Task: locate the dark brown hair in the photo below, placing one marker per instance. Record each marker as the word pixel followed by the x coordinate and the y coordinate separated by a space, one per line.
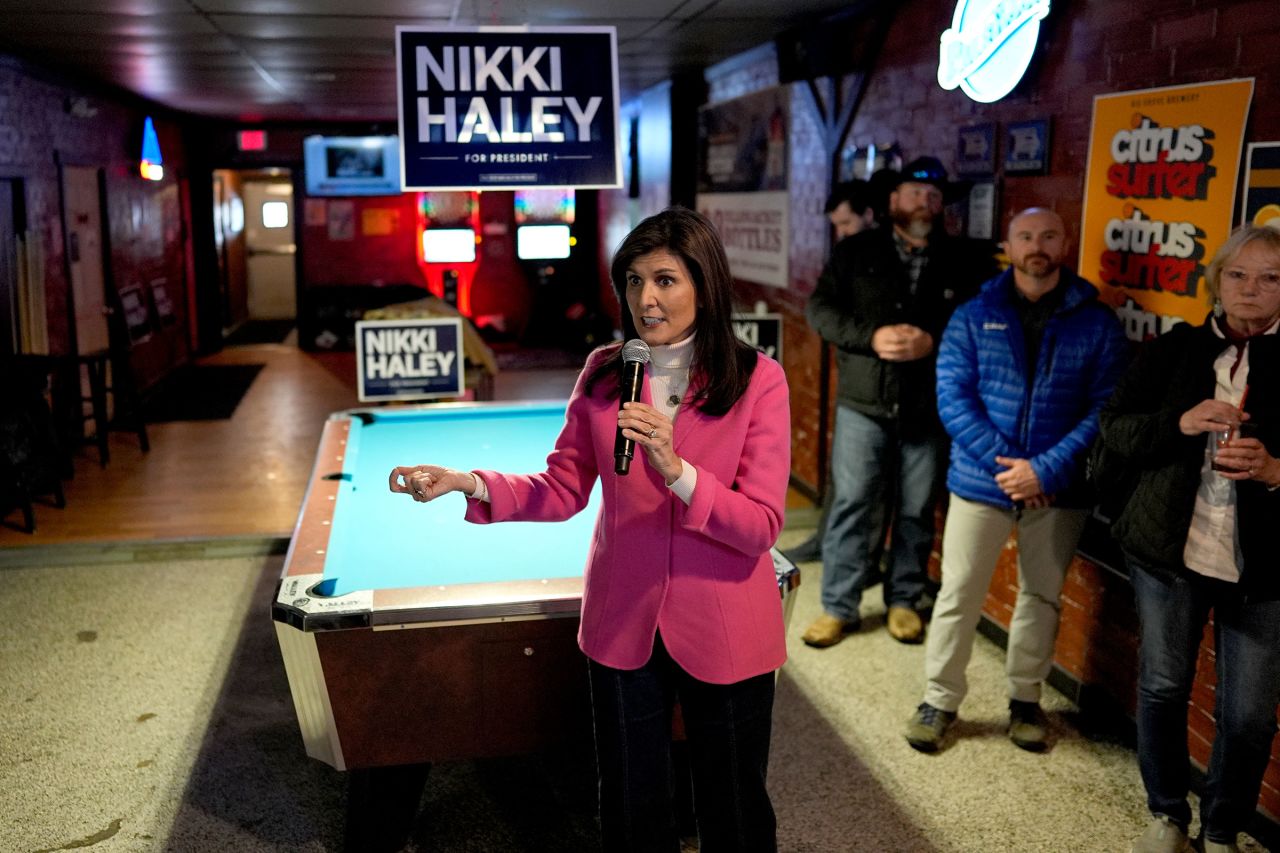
pixel 721 363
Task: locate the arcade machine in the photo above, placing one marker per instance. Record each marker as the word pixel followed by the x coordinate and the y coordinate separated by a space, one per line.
pixel 560 270
pixel 448 231
pixel 467 256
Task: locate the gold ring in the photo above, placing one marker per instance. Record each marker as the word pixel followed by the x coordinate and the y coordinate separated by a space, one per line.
pixel 653 431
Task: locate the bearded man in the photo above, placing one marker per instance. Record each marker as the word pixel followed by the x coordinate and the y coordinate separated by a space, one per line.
pixel 1023 371
pixel 883 301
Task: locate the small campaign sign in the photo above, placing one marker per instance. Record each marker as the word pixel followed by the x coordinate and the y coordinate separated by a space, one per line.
pixel 508 107
pixel 409 359
pixel 762 331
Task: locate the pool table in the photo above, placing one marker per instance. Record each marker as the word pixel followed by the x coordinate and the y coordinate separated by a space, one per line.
pixel 411 636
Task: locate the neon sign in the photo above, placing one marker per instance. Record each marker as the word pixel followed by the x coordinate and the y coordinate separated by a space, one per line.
pixel 152 164
pixel 989 46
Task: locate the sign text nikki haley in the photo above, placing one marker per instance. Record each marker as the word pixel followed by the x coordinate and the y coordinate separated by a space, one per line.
pixel 508 107
pixel 412 359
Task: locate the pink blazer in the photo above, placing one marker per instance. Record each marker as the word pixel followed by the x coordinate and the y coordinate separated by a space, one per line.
pixel 700 573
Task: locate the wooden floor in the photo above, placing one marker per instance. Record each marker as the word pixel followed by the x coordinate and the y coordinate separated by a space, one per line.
pixel 241 477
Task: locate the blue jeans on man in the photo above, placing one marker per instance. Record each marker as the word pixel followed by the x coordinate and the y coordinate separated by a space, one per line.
pixel 1173 610
pixel 872 460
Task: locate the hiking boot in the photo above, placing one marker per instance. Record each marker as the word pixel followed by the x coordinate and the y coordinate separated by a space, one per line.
pixel 927 726
pixel 1028 727
pixel 827 630
pixel 1211 846
pixel 1162 836
pixel 905 625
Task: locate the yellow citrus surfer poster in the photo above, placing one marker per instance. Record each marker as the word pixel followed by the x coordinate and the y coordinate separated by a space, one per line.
pixel 1160 195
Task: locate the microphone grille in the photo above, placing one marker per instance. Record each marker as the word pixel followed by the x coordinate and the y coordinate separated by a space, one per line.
pixel 635 350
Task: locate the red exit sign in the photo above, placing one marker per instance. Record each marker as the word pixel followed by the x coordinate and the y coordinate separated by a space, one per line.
pixel 252 140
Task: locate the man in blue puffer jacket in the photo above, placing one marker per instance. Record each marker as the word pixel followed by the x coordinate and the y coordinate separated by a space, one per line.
pixel 1023 370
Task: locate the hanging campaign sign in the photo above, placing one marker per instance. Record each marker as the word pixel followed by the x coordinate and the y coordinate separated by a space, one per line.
pixel 409 359
pixel 1160 190
pixel 508 107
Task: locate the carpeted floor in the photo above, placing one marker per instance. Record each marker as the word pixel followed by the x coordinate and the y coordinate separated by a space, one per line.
pixel 259 332
pixel 144 707
pixel 199 392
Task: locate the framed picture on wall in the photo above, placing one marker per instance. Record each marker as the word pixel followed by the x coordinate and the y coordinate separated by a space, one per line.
pixel 137 314
pixel 1026 147
pixel 976 150
pixel 981 216
pixel 163 304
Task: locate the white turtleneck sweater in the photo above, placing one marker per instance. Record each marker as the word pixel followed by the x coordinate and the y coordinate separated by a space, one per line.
pixel 668 372
pixel 669 377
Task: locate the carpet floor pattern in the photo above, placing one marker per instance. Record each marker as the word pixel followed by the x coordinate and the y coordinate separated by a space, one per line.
pixel 143 706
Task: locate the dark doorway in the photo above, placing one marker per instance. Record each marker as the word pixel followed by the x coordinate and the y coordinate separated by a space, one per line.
pixel 11 227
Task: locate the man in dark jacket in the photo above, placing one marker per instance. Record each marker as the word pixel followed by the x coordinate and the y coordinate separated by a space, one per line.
pixel 1023 370
pixel 850 210
pixel 883 301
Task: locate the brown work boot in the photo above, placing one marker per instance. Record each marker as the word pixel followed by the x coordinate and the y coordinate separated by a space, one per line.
pixel 905 625
pixel 827 630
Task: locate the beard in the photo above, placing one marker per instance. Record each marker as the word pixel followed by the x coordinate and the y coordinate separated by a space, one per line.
pixel 918 223
pixel 1037 265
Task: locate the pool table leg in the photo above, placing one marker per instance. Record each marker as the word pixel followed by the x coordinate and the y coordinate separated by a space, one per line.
pixel 382 807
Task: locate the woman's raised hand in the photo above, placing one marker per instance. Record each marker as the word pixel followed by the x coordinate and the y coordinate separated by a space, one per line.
pixel 653 431
pixel 425 483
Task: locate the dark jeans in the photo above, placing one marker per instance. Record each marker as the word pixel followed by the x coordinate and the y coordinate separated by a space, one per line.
pixel 1173 611
pixel 728 728
pixel 870 459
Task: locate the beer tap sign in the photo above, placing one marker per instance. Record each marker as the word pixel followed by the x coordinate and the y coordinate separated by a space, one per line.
pixel 1160 197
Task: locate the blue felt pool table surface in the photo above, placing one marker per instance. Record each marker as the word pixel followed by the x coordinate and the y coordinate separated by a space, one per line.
pixel 381 542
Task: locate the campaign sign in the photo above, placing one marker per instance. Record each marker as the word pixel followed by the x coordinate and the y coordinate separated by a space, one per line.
pixel 762 331
pixel 496 108
pixel 409 359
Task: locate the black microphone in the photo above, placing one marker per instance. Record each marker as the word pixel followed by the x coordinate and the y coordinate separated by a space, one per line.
pixel 635 355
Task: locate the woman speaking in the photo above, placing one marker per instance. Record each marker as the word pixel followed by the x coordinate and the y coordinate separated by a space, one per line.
pixel 680 598
pixel 1196 422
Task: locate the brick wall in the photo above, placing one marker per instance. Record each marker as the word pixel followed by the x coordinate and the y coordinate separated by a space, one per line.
pixel 37 130
pixel 1087 48
pixel 364 259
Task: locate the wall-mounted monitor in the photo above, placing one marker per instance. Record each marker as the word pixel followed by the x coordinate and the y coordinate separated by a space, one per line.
pixel 352 165
pixel 448 245
pixel 540 242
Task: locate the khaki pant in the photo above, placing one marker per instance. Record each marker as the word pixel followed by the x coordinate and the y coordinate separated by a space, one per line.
pixel 974 535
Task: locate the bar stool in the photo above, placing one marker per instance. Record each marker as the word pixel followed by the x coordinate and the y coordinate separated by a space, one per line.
pixel 121 387
pixel 29 450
